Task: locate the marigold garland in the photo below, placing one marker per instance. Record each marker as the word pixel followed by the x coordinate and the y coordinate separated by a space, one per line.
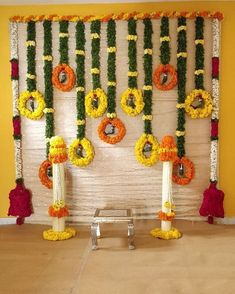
pixel 115 123
pixel 43 174
pixel 99 95
pixel 139 149
pixel 30 96
pixel 165 69
pixel 166 235
pixel 169 216
pixel 57 151
pixel 183 171
pixel 63 68
pixel 59 236
pixel 63 77
pixel 58 209
pixel 167 150
pixel 77 158
pixel 131 99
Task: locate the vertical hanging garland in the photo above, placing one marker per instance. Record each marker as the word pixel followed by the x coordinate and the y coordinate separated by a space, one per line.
pixel 63 77
pixel 146 147
pixel 31 95
pixel 96 99
pixel 111 129
pixel 183 168
pixel 212 205
pixel 198 103
pixel 132 100
pixel 81 152
pixel 20 197
pixel 45 169
pixel 161 77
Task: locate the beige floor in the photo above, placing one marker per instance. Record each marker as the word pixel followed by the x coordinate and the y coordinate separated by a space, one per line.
pixel 202 261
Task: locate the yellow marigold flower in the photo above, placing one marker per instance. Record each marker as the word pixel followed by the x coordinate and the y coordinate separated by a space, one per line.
pixel 182 54
pixel 139 103
pixel 47 57
pixel 147 88
pixel 147 117
pixel 111 115
pixel 55 236
pixel 132 73
pixel 95 71
pixel 63 35
pixel 111 83
pixel 80 89
pixel 95 36
pixel 148 51
pixel 181 28
pixel 48 110
pixel 31 77
pixel 81 122
pixel 102 103
pixel 111 49
pixel 199 41
pixel 30 43
pixel 179 133
pixel 180 105
pixel 165 39
pixel 199 71
pixel 132 38
pixel 80 52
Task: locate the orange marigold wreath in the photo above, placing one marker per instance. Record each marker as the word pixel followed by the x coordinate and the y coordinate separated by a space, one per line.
pixel 65 87
pixel 116 123
pixel 165 69
pixel 166 216
pixel 43 174
pixel 188 173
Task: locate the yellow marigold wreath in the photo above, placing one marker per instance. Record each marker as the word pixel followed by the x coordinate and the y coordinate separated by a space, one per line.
pixel 139 103
pixel 201 112
pixel 58 236
pixel 79 160
pixel 139 146
pixel 102 103
pixel 22 104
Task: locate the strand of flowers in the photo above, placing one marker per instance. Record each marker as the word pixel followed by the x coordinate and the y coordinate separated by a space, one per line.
pixel 45 169
pixel 15 93
pixel 63 77
pixel 31 94
pixel 96 99
pixel 146 147
pixel 198 103
pixel 81 144
pixel 121 16
pixel 183 168
pixel 165 76
pixel 116 130
pixel 132 99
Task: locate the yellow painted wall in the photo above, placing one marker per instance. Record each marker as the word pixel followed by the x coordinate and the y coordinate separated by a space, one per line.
pixel 227 121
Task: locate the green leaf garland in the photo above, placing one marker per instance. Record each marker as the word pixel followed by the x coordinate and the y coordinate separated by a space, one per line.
pixel 63 43
pixel 165 55
pixel 132 80
pixel 95 52
pixel 31 53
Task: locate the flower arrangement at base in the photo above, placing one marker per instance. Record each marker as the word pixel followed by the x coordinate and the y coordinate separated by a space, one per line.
pixel 96 103
pixel 31 96
pixel 183 171
pixel 167 150
pixel 147 144
pixel 166 216
pixel 166 235
pixel 63 77
pixel 111 137
pixel 132 102
pixel 161 73
pixel 76 152
pixel 58 209
pixel 203 108
pixel 44 174
pixel 59 236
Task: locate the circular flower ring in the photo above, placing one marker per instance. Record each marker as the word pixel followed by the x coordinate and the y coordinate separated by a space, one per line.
pixel 22 104
pixel 58 209
pixel 99 97
pixel 165 69
pixel 139 149
pixel 198 112
pixel 58 236
pixel 60 68
pixel 136 98
pixel 79 160
pixel 166 216
pixel 187 171
pixel 115 123
pixel 43 174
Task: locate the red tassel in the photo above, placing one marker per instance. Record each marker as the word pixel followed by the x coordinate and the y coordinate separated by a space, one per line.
pixel 215 67
pixel 212 204
pixel 20 203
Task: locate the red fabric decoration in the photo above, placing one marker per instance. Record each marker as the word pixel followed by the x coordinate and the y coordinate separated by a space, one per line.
pixel 215 67
pixel 20 203
pixel 214 128
pixel 14 69
pixel 16 126
pixel 212 205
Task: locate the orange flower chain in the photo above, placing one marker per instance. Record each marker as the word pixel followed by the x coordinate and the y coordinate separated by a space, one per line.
pixel 122 16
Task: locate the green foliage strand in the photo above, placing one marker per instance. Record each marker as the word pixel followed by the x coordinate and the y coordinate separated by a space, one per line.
pixel 199 35
pixel 165 54
pixel 63 47
pixel 31 53
pixel 132 81
pixel 95 53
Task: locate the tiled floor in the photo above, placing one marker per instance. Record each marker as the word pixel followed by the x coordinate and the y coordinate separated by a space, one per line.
pixel 202 261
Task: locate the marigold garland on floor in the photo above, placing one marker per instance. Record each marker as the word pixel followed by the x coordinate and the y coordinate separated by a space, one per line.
pixel 111 129
pixel 96 99
pixel 63 77
pixel 146 147
pixel 28 98
pixel 165 76
pixel 198 104
pixel 59 236
pixel 183 168
pixel 132 100
pixel 81 151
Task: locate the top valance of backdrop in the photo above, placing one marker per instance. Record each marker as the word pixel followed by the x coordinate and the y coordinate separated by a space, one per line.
pixel 121 16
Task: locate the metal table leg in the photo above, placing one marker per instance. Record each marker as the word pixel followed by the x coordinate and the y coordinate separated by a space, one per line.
pixel 94 227
pixel 131 233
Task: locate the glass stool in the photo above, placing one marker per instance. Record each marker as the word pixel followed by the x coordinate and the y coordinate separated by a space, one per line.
pixel 110 215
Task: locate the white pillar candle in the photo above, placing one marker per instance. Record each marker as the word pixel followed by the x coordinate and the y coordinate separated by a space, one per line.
pixel 166 192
